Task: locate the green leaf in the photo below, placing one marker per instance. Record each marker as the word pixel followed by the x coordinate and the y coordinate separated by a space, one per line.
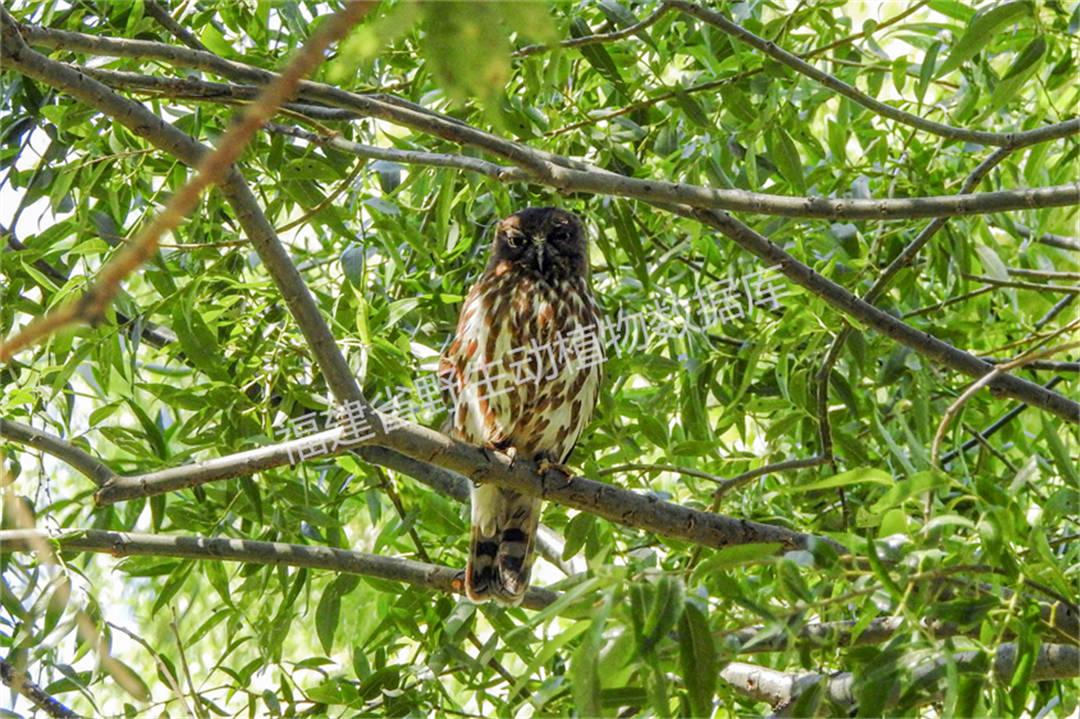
pixel 783 152
pixel 584 679
pixel 983 28
pixel 697 655
pixel 328 610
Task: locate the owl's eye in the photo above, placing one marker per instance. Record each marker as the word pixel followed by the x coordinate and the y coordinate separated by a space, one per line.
pixel 559 234
pixel 515 239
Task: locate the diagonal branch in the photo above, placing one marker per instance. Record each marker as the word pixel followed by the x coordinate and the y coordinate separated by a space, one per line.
pixel 999 139
pixel 211 168
pixel 884 323
pixel 146 124
pixel 20 682
pixel 98 472
pixel 902 260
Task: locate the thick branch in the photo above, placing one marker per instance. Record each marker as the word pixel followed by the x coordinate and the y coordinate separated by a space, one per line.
pixel 126 544
pixel 573 175
pixel 621 506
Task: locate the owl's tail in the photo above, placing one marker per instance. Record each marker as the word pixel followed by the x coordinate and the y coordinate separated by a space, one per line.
pixel 501 548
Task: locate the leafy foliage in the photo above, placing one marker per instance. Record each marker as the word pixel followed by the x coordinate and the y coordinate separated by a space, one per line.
pixel 388 249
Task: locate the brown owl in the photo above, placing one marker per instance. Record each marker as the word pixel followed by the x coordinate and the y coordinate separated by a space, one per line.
pixel 522 372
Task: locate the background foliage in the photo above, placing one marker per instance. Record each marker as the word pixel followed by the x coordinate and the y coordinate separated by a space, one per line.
pixel 389 250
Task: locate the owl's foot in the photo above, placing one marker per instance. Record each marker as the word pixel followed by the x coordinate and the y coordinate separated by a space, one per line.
pixel 544 466
pixel 510 451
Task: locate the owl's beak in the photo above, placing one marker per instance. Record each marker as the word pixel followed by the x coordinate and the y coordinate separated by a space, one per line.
pixel 541 250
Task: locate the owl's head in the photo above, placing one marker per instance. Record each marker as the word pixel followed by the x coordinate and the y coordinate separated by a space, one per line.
pixel 546 241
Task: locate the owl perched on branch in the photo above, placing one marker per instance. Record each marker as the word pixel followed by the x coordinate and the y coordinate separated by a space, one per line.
pixel 522 372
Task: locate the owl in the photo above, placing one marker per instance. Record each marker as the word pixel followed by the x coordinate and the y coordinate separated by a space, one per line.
pixel 522 375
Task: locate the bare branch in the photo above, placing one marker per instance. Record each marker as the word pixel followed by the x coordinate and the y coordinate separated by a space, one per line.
pixel 1054 661
pixel 125 544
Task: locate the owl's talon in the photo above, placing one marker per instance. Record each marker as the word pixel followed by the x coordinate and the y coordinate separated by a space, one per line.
pixel 491 451
pixel 544 466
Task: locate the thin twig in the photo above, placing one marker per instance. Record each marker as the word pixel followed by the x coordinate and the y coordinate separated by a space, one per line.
pixel 954 408
pixel 1018 284
pixel 599 37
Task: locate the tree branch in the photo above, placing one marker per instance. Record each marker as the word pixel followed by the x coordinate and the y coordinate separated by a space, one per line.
pixel 902 260
pixel 211 168
pixel 569 175
pixel 145 124
pixel 1059 241
pixel 884 323
pixel 20 682
pixel 621 506
pixel 1054 661
pixel 599 37
pixel 999 139
pixel 127 544
pixel 91 466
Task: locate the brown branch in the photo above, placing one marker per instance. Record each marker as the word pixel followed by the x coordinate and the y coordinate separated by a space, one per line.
pixel 126 544
pixel 954 408
pixel 143 123
pixel 153 334
pixel 211 169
